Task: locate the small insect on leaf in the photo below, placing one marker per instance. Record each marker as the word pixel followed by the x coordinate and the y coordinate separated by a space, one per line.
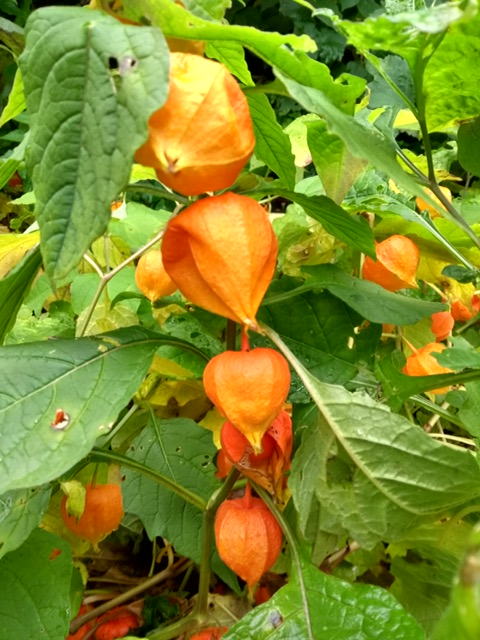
pixel 62 420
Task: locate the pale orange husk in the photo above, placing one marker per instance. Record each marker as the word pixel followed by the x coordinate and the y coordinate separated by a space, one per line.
pixel 422 205
pixel 202 137
pixel 396 265
pixel 442 325
pixel 460 311
pixel 151 277
pixel 221 252
pixel 423 363
pixel 249 389
pixel 248 537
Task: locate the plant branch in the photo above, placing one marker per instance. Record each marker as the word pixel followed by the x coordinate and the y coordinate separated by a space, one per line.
pixel 214 503
pixel 157 191
pixel 101 455
pixel 169 572
pixel 265 496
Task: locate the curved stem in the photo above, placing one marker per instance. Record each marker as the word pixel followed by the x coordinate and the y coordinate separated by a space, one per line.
pixel 169 572
pixel 102 455
pixel 157 191
pixel 265 496
pixel 214 503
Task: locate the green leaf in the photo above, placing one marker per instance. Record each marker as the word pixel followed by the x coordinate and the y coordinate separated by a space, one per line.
pixel 448 98
pixel 272 47
pixel 20 513
pixel 372 302
pixel 232 56
pixel 405 465
pixel 352 230
pixel 337 168
pixel 272 145
pixel 36 603
pixel 16 100
pixel 39 378
pixel 459 359
pixel 337 610
pixel 184 452
pixel 363 140
pixel 14 287
pixel 208 9
pixel 468 141
pixel 91 84
pixel 470 409
pixel 8 168
pixel 12 35
pixel 318 328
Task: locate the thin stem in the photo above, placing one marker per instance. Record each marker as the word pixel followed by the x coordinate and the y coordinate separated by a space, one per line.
pixel 105 279
pixel 214 503
pixel 120 424
pixel 102 455
pixel 169 572
pixel 157 191
pixel 265 496
pixel 93 264
pixel 175 630
pixel 435 408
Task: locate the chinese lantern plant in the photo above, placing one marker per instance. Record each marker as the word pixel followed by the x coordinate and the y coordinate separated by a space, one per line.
pixel 396 264
pixel 151 277
pixel 202 137
pixel 102 513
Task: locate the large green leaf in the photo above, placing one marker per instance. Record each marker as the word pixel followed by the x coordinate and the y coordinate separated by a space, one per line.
pixel 362 139
pixel 406 467
pixel 90 379
pixel 208 9
pixel 272 47
pixel 337 610
pixel 468 141
pixel 320 330
pixel 372 302
pixel 91 84
pixel 35 581
pixel 20 513
pixel 14 287
pixel 272 145
pixel 232 55
pixel 184 452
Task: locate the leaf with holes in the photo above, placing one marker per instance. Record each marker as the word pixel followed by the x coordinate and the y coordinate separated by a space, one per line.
pixel 91 84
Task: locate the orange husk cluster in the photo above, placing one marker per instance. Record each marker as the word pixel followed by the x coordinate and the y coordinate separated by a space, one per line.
pixel 202 137
pixel 248 537
pixel 221 252
pixel 422 363
pixel 267 469
pixel 442 325
pixel 396 265
pixel 151 277
pixel 249 388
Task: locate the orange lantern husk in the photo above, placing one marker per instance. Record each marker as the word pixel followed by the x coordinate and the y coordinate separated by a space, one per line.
pixel 202 137
pixel 396 265
pixel 248 537
pixel 422 363
pixel 221 252
pixel 249 389
pixel 442 325
pixel 460 311
pixel 268 468
pixel 151 277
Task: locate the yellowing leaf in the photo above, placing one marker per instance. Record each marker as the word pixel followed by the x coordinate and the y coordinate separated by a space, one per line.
pixel 169 369
pixel 180 398
pixel 13 247
pixel 213 421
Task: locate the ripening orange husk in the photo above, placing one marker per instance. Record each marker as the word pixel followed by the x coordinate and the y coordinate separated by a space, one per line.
pixel 221 252
pixel 249 389
pixel 424 206
pixel 396 265
pixel 442 325
pixel 151 277
pixel 460 311
pixel 423 363
pixel 202 137
pixel 248 537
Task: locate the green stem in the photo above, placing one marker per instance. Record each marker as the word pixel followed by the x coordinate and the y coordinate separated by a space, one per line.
pixel 175 630
pixel 157 191
pixel 214 503
pixel 101 455
pixel 265 496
